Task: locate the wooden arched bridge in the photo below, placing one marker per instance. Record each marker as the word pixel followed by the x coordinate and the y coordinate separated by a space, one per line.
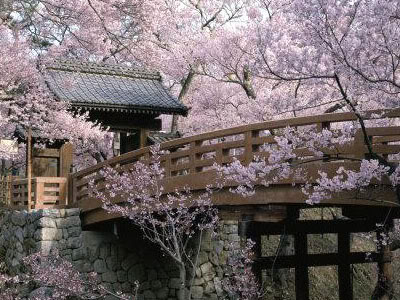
pixel 190 162
pixel 273 209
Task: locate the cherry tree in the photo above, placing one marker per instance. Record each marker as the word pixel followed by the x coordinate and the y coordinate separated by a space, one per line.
pixel 169 220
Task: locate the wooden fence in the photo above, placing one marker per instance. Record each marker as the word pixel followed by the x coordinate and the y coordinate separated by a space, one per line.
pixel 47 192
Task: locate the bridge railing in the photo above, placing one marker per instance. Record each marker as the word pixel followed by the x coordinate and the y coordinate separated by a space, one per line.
pixel 196 154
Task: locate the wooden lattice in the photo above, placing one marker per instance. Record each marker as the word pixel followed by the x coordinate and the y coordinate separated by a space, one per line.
pixel 5 189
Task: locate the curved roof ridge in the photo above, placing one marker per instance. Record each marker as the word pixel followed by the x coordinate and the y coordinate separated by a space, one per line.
pixel 103 69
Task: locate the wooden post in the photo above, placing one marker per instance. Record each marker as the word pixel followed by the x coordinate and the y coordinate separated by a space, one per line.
pixel 66 159
pixel 144 133
pixel 344 268
pixel 29 167
pixel 301 270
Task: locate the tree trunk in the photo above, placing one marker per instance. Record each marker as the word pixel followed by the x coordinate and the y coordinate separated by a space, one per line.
pixel 384 287
pixel 185 88
pixel 183 293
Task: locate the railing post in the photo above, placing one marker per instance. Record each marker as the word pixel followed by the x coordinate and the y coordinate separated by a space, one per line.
pixel 70 191
pixel 38 192
pixel 63 191
pixel 248 147
pixel 192 158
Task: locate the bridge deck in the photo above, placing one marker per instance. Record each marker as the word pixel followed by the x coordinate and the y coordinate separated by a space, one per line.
pixel 190 162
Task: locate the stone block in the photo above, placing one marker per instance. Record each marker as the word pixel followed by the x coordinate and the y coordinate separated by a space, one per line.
pixel 214 259
pixel 209 288
pixel 114 250
pixel 152 274
pixel 112 263
pixel 46 222
pixel 74 231
pixel 104 251
pixel 19 234
pixel 79 265
pixel 74 242
pixel 66 252
pixel 129 261
pixel 218 246
pixel 122 276
pixel 73 221
pixel 62 244
pixel 197 292
pixel 18 247
pixel 126 287
pixel 65 233
pixel 149 295
pixel 87 267
pixel 100 266
pixel 52 213
pixel 93 253
pixel 109 276
pixel 203 258
pixel 162 293
pixel 45 247
pixel 156 284
pixel 18 218
pixel 206 268
pixel 72 212
pixel 62 212
pixel 144 286
pixel 198 281
pixel 79 253
pixel 48 234
pixel 136 273
pixel 218 286
pixel 162 274
pixel 122 253
pixel 117 287
pixel 206 246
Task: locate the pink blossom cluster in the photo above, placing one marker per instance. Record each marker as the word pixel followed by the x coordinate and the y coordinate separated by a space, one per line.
pixel 240 281
pixel 55 278
pixel 345 180
pixel 280 160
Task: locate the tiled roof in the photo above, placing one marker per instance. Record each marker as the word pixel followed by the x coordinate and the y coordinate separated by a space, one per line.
pixel 111 88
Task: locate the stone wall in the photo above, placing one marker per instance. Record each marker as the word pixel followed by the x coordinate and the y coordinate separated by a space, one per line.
pixel 119 262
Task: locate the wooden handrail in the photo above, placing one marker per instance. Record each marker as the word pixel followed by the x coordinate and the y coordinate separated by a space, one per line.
pixel 194 154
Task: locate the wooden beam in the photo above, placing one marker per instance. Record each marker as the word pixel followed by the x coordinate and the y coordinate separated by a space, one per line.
pixel 312 226
pixel 55 153
pixel 315 260
pixel 344 267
